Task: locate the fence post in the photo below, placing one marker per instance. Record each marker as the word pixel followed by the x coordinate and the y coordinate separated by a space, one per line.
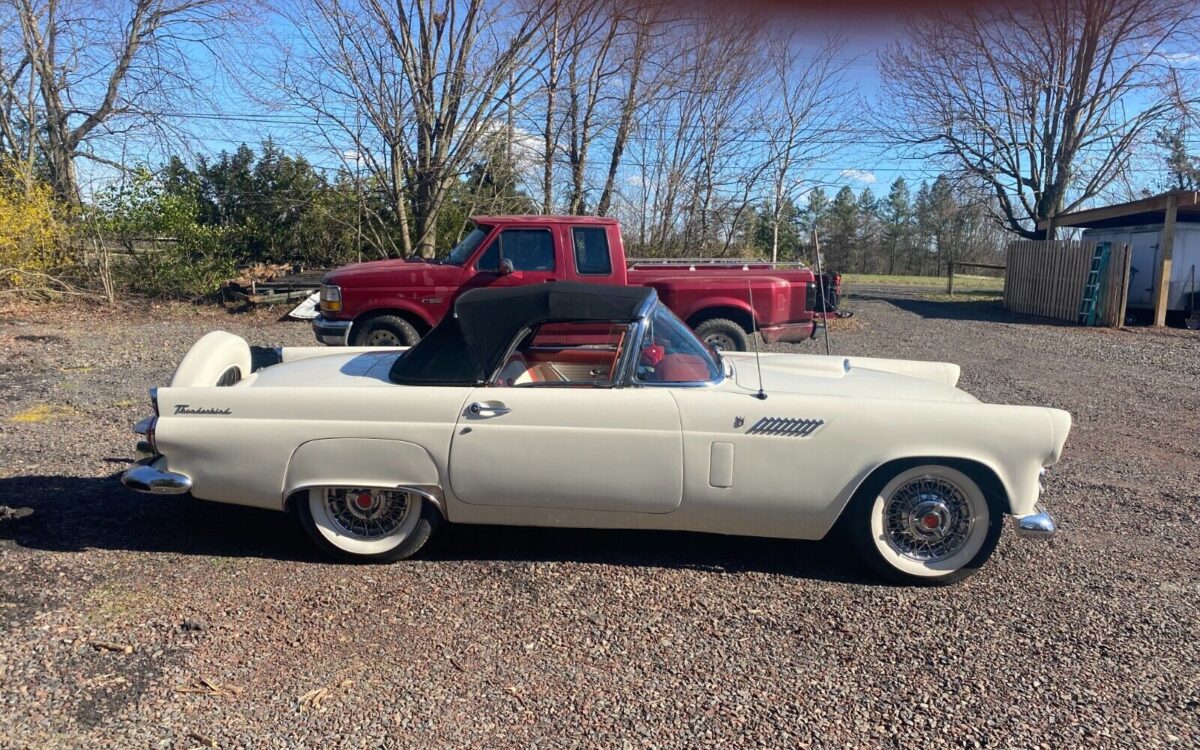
pixel 950 279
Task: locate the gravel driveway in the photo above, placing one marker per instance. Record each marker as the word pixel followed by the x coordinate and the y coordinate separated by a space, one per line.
pixel 130 621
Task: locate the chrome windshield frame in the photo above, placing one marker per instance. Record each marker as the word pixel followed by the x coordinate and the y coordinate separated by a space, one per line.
pixel 639 330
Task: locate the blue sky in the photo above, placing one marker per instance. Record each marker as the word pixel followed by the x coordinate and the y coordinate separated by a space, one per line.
pixel 864 163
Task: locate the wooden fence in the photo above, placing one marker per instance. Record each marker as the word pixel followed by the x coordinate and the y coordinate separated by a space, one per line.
pixel 1047 278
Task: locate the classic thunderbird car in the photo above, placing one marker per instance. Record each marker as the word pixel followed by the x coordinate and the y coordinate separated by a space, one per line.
pixel 585 406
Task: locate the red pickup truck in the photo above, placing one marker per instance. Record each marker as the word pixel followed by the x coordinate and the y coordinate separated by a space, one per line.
pixel 395 302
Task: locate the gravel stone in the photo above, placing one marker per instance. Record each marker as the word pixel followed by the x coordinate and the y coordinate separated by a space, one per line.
pixel 242 636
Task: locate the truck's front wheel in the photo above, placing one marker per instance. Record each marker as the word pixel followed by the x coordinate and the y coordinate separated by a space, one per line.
pixel 385 330
pixel 723 334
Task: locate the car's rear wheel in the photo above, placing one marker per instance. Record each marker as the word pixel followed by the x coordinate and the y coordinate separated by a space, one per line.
pixel 368 525
pixel 926 525
pixel 386 330
pixel 723 334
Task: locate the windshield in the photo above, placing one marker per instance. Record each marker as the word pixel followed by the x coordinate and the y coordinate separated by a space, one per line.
pixel 671 353
pixel 463 250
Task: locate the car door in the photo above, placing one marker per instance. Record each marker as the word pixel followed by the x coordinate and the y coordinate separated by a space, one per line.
pixel 596 449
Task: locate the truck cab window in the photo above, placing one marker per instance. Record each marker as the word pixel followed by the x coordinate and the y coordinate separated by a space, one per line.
pixel 528 249
pixel 591 251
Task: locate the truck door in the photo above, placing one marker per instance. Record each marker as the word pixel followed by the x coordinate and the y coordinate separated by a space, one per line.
pixel 530 249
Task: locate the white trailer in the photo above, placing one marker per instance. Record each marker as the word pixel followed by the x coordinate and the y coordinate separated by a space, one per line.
pixel 1145 264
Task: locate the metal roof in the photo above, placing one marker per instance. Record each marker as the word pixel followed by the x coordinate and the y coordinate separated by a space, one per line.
pixel 1152 210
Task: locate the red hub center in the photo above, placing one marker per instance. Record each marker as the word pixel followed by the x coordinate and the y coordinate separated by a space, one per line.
pixel 364 500
pixel 931 520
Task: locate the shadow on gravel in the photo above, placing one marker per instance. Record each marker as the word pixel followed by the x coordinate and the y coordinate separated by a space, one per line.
pixel 72 514
pixel 990 311
pixel 826 560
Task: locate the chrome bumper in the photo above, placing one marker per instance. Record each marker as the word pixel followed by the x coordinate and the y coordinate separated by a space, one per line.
pixel 152 480
pixel 1038 525
pixel 332 332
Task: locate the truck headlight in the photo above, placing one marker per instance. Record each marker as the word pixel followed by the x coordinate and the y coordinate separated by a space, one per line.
pixel 331 298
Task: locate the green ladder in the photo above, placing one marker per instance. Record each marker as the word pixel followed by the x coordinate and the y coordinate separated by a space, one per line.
pixel 1090 309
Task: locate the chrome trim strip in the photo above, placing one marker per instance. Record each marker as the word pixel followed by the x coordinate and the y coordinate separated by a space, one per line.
pixel 146 478
pixel 1039 525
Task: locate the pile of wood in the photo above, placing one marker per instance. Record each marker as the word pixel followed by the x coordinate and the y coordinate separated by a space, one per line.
pixel 265 284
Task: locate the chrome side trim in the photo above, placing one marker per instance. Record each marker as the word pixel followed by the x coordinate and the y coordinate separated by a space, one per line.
pixel 146 478
pixel 1038 525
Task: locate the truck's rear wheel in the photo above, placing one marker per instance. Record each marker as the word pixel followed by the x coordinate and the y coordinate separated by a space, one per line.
pixel 723 334
pixel 385 330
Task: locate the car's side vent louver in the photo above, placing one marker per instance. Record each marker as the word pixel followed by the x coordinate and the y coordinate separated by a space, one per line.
pixel 785 427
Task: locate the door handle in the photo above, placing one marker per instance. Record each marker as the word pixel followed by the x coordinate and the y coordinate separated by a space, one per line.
pixel 489 409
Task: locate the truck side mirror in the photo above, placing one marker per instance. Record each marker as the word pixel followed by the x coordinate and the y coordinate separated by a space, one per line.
pixel 506 267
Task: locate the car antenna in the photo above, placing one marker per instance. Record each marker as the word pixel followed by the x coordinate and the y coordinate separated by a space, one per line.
pixel 761 395
pixel 821 286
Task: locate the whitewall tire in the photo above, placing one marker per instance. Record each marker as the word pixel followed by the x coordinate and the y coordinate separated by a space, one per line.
pixel 927 525
pixel 366 524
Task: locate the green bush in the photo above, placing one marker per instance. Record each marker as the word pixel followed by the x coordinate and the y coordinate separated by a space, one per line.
pixel 162 249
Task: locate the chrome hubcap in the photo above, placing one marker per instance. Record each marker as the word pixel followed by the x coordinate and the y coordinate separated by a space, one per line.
pixel 720 341
pixel 928 519
pixel 367 514
pixel 382 338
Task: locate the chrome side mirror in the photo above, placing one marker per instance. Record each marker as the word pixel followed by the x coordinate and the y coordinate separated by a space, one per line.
pixel 506 267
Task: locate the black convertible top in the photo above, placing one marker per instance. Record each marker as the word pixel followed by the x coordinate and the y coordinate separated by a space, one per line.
pixel 466 347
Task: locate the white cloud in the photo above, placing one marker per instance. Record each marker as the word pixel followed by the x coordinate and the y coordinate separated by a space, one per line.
pixel 1180 58
pixel 861 176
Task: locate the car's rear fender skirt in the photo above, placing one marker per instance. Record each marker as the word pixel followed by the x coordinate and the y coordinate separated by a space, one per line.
pixel 982 471
pixel 363 463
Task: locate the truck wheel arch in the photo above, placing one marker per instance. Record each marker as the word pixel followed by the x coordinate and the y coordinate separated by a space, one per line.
pixel 415 317
pixel 739 315
pixel 362 462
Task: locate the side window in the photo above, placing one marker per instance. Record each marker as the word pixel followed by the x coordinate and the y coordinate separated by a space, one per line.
pixel 591 251
pixel 490 260
pixel 565 354
pixel 528 249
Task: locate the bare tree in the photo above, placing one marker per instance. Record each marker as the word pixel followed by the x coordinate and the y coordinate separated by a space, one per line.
pixel 72 73
pixel 434 78
pixel 1042 104
pixel 808 111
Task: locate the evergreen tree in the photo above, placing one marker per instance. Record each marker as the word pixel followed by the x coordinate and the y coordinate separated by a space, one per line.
pixel 896 215
pixel 843 230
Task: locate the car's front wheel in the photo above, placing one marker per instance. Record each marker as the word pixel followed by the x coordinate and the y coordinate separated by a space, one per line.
pixel 926 525
pixel 367 525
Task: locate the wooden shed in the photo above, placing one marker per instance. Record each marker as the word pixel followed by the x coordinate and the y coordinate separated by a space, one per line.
pixel 1163 232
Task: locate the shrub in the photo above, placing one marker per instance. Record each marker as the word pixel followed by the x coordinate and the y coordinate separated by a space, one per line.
pixel 33 233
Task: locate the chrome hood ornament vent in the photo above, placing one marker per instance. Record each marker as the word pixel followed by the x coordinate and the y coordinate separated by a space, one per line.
pixel 785 427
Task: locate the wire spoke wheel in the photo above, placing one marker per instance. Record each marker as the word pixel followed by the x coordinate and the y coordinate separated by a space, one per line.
pixel 367 514
pixel 927 524
pixel 366 524
pixel 928 519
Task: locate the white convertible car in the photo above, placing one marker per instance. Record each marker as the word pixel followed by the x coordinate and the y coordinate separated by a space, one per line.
pixel 575 405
